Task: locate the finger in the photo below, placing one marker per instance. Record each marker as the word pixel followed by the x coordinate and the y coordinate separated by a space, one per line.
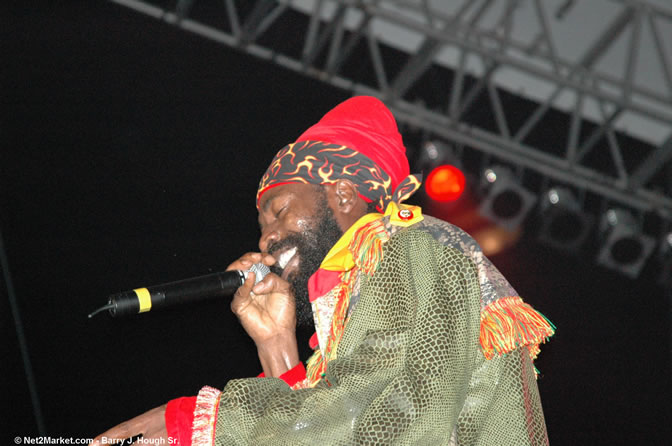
pixel 268 259
pixel 272 283
pixel 119 432
pixel 147 423
pixel 246 261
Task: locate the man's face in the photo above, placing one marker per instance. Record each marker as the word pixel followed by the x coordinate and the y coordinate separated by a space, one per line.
pixel 298 229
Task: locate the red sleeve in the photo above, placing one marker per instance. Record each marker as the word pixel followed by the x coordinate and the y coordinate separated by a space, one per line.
pixel 179 420
pixel 291 376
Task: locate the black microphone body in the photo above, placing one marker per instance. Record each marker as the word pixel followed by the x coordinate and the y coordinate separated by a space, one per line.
pixel 185 291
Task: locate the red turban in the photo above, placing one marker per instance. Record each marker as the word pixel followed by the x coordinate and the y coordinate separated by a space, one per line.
pixel 358 140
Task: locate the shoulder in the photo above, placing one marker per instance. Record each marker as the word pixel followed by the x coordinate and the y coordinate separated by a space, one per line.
pixel 438 233
pixel 433 242
pixel 448 234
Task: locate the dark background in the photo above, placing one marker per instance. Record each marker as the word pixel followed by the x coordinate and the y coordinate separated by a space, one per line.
pixel 130 156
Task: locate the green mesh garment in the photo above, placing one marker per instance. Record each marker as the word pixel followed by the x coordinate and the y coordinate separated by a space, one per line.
pixel 409 369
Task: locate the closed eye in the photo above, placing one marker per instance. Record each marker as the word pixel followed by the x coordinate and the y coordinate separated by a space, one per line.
pixel 276 216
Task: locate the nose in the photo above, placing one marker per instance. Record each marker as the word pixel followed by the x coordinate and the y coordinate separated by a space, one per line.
pixel 269 236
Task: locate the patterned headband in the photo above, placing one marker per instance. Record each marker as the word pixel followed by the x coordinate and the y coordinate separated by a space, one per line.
pixel 315 162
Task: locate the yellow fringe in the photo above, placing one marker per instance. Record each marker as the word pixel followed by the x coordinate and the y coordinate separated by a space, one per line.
pixel 367 246
pixel 509 323
pixel 315 368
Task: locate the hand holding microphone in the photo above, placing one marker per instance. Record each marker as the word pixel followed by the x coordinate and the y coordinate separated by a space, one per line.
pixel 267 312
pixel 264 307
pixel 263 302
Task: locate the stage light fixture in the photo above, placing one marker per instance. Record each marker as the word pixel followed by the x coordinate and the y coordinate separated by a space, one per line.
pixel 444 180
pixel 564 224
pixel 445 183
pixel 506 202
pixel 432 150
pixel 625 248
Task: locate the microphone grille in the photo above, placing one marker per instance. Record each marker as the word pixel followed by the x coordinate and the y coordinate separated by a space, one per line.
pixel 260 270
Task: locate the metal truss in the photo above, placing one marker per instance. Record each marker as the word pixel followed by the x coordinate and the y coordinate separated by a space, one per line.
pixel 470 49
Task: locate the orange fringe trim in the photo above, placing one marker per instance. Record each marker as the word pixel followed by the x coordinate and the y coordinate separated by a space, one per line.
pixel 509 323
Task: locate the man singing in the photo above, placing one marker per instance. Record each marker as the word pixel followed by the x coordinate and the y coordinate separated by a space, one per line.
pixel 419 340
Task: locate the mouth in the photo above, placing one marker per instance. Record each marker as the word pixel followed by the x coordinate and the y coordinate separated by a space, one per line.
pixel 287 262
pixel 284 258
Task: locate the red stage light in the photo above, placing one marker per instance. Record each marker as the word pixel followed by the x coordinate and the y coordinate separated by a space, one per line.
pixel 445 183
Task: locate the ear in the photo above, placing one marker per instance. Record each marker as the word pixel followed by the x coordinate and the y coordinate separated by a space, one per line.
pixel 346 194
pixel 345 202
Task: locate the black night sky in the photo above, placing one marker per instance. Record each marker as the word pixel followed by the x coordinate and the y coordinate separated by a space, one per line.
pixel 130 156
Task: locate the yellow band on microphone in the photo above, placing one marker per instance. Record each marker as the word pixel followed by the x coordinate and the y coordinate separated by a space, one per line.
pixel 144 298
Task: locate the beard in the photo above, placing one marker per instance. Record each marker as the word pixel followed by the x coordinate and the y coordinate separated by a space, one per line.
pixel 312 245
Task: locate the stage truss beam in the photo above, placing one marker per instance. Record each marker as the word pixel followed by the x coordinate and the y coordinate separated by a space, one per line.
pixel 335 28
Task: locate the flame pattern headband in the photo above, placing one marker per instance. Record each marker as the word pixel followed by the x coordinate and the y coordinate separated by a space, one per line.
pixel 316 162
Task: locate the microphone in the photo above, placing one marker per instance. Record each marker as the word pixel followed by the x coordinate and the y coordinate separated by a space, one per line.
pixel 141 300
